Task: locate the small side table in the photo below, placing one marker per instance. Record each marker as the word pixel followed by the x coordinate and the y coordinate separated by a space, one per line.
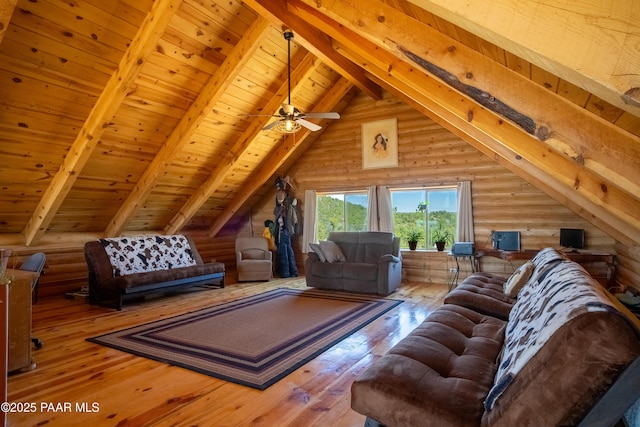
pixel 473 261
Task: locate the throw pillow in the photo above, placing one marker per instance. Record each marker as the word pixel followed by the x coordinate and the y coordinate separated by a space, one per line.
pixel 332 252
pixel 518 279
pixel 316 249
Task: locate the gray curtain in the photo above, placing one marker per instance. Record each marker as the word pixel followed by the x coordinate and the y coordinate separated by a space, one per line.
pixel 465 213
pixel 385 209
pixel 379 210
pixel 309 234
pixel 372 209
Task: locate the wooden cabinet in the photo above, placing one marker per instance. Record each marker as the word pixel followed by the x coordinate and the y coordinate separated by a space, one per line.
pixel 19 320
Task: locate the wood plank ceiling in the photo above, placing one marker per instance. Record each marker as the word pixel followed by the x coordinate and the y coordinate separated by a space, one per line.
pixel 128 116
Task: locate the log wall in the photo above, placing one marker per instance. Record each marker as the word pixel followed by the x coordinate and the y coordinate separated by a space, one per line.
pixel 629 267
pixel 431 155
pixel 428 155
pixel 66 270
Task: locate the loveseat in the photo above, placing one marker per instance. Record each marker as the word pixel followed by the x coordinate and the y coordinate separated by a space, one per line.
pixel 567 354
pixel 364 262
pixel 134 266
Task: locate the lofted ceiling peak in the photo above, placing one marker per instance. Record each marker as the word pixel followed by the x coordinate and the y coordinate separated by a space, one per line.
pixel 151 115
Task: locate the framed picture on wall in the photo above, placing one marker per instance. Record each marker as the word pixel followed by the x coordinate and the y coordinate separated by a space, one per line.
pixel 380 144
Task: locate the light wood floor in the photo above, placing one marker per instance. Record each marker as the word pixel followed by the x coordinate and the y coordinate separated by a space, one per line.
pixel 127 390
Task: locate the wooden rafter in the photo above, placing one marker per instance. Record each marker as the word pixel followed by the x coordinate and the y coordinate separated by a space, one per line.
pixel 315 42
pixel 301 73
pixel 613 30
pixel 105 107
pixel 208 97
pixel 367 39
pixel 277 158
pixel 6 10
pixel 598 145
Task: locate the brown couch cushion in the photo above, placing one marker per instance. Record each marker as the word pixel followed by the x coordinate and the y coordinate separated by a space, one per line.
pixel 438 375
pixel 484 293
pixel 157 277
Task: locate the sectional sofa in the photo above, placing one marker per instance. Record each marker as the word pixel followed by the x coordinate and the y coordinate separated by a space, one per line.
pixel 548 347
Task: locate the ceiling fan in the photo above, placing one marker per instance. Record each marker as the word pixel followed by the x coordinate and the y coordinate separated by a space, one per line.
pixel 291 119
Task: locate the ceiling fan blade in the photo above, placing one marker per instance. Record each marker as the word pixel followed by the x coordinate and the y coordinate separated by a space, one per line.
pixel 331 115
pixel 311 126
pixel 271 125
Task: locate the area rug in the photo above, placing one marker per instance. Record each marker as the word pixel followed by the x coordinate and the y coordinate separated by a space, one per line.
pixel 254 341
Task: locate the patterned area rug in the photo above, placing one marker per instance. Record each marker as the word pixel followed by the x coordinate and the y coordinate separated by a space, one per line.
pixel 254 341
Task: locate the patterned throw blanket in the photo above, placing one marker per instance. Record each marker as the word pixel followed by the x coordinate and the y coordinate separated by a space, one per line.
pixel 130 255
pixel 561 291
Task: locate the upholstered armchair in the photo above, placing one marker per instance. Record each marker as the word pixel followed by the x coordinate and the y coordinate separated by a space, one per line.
pixel 253 259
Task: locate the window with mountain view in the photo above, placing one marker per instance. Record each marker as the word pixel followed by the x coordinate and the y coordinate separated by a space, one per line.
pixel 426 212
pixel 341 212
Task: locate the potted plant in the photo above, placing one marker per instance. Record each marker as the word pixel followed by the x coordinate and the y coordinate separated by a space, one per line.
pixel 413 238
pixel 441 238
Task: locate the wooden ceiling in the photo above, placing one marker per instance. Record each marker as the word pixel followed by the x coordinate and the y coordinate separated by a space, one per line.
pixel 130 116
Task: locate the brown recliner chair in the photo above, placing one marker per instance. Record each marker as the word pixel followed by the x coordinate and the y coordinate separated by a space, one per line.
pixel 253 259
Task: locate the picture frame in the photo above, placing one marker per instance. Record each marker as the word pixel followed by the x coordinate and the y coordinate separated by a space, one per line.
pixel 380 144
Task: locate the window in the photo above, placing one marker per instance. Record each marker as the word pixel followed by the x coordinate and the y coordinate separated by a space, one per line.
pixel 427 211
pixel 341 212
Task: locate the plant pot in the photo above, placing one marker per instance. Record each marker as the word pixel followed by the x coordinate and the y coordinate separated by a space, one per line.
pixel 413 245
pixel 440 246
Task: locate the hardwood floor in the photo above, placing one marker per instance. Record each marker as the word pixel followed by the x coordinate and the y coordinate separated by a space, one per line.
pixel 78 383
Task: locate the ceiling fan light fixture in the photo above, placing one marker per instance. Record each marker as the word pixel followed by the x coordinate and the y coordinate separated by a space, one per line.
pixel 291 119
pixel 288 126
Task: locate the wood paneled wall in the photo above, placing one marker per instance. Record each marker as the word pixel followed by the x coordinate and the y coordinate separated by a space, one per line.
pixel 628 266
pixel 428 154
pixel 431 155
pixel 66 270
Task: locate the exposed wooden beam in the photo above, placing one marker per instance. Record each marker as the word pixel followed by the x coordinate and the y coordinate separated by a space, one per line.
pixel 315 42
pixel 104 109
pixel 198 111
pixel 6 10
pixel 552 36
pixel 603 148
pixel 593 197
pixel 267 168
pixel 301 73
pixel 510 158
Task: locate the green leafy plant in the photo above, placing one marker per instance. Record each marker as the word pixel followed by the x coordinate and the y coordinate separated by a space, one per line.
pixel 440 235
pixel 414 236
